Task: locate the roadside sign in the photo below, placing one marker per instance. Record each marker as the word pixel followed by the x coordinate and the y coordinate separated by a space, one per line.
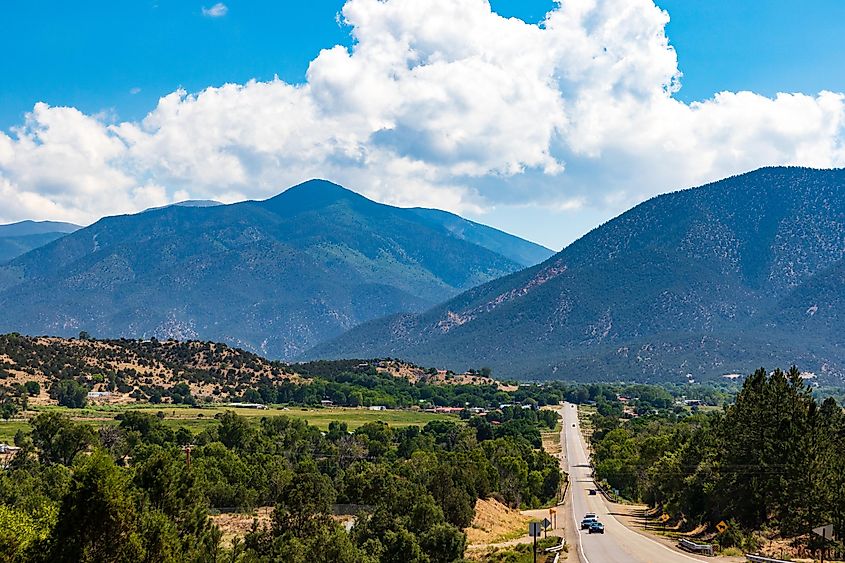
pixel 534 529
pixel 721 526
pixel 664 517
pixel 546 523
pixel 825 531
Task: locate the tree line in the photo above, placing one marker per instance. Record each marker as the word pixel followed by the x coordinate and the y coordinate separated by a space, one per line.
pixel 772 460
pixel 133 491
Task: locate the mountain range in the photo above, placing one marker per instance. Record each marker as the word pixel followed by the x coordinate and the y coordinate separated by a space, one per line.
pixel 19 238
pixel 720 279
pixel 276 277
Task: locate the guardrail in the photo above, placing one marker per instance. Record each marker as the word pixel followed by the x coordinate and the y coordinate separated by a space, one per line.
pixel 691 546
pixel 760 559
pixel 557 548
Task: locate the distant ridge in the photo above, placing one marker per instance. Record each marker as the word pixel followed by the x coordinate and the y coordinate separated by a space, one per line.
pixel 25 228
pixel 725 278
pixel 189 203
pixel 19 238
pixel 274 277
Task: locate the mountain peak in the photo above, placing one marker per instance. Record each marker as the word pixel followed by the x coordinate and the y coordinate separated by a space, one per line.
pixel 319 185
pixel 310 195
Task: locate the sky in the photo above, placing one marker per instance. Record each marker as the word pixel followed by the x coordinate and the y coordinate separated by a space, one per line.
pixel 541 119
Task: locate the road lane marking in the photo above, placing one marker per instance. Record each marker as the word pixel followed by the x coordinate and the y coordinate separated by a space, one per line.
pixel 603 502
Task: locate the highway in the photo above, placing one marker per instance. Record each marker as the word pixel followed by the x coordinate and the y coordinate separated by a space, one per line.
pixel 619 543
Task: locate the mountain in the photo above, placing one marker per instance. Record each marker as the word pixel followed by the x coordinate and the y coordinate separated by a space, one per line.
pixel 275 276
pixel 517 249
pixel 723 278
pixel 20 238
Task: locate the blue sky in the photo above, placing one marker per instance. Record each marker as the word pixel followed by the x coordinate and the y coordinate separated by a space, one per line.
pixel 113 61
pixel 92 55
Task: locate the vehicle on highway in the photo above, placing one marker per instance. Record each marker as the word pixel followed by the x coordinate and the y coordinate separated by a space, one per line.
pixel 591 515
pixel 587 522
pixel 596 528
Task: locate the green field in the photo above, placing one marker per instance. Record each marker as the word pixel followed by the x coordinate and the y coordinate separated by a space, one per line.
pixel 198 418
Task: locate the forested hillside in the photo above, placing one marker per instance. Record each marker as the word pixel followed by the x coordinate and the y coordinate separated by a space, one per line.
pixel 38 372
pixel 770 465
pixel 721 279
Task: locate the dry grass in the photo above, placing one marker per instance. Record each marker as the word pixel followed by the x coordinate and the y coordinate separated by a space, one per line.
pixel 551 442
pixel 237 525
pixel 495 523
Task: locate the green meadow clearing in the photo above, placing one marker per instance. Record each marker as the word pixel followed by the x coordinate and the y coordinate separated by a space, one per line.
pixel 197 419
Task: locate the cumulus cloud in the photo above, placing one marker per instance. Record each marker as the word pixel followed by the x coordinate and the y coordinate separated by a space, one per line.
pixel 217 11
pixel 440 103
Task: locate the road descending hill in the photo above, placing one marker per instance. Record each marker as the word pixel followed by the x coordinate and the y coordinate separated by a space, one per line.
pixel 734 275
pixel 274 277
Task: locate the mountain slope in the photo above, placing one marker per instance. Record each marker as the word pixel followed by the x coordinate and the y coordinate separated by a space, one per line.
pixel 189 203
pixel 20 238
pixel 275 276
pixel 691 282
pixel 517 249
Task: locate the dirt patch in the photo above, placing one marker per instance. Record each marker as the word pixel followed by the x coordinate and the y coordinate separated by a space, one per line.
pixel 551 442
pixel 494 522
pixel 237 524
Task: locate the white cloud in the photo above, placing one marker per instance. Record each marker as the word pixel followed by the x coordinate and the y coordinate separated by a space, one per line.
pixel 217 11
pixel 439 103
pixel 135 90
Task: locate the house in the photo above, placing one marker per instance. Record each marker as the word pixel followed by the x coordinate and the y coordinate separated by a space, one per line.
pixel 326 403
pixel 446 410
pixel 247 405
pixel 377 408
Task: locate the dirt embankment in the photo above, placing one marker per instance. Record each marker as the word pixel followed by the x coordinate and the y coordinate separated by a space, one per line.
pixel 494 523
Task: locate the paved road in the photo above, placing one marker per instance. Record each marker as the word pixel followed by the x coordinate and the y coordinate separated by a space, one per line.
pixel 619 543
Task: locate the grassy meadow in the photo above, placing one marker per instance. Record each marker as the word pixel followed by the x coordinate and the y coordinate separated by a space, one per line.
pixel 198 418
